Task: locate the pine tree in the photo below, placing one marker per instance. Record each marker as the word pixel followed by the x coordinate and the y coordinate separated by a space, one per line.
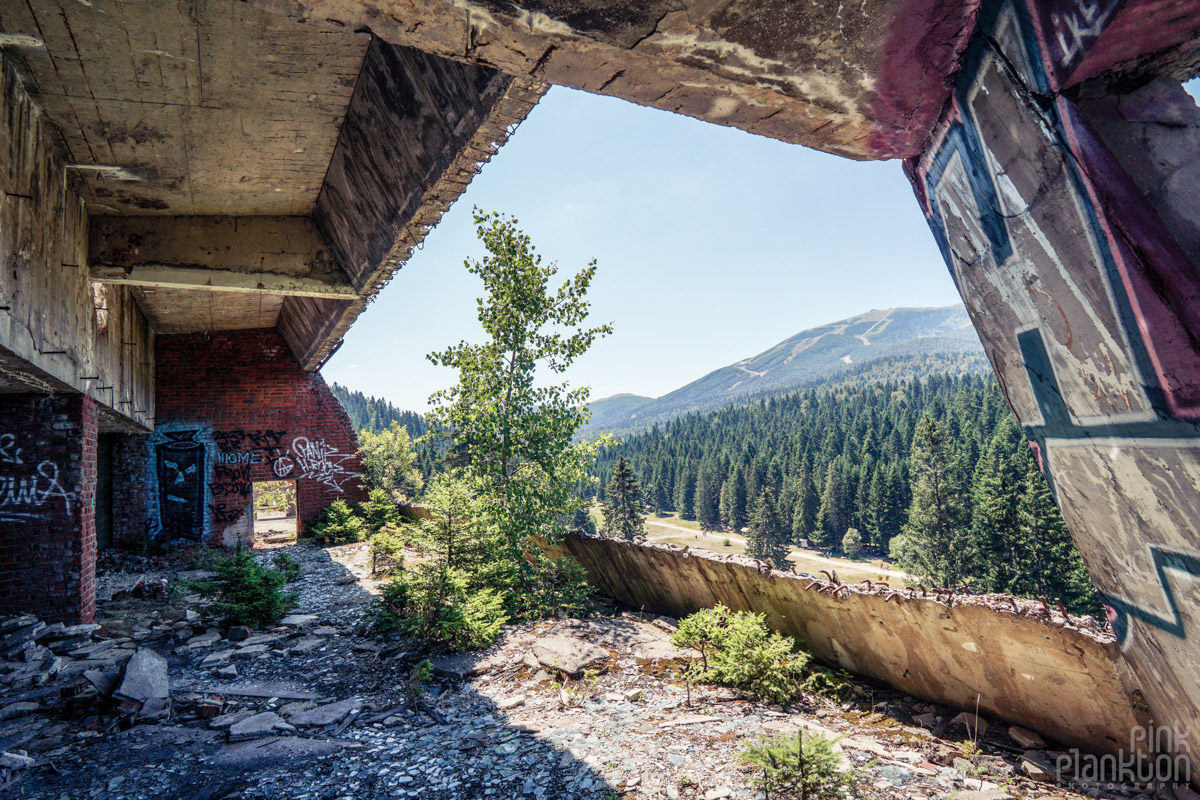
pixel 1051 566
pixel 623 504
pixel 733 501
pixel 708 497
pixel 685 493
pixel 834 516
pixel 996 494
pixel 941 549
pixel 768 539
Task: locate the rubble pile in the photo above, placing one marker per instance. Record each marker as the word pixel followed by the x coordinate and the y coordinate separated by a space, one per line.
pixel 162 699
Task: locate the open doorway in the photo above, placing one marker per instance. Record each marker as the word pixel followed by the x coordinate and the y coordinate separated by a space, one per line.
pixel 275 518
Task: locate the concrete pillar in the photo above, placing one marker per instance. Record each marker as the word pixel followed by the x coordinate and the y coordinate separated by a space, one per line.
pixel 1067 216
pixel 47 506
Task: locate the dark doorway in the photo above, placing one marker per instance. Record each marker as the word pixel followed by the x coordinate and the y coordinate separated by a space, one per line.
pixel 104 490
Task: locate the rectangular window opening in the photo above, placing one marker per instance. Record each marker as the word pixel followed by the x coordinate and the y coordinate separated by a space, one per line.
pixel 275 519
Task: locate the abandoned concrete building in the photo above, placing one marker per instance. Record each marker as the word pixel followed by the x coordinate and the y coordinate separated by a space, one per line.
pixel 199 197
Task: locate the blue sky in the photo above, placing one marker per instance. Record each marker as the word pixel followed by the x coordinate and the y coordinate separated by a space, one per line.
pixel 713 244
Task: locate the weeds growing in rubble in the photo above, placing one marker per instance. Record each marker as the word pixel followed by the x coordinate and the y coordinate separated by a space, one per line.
pixel 800 767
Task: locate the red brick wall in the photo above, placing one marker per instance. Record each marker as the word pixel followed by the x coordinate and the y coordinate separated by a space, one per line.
pixel 47 506
pixel 233 408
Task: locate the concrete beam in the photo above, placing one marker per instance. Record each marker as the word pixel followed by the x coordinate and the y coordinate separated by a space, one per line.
pixel 274 255
pixel 169 276
pixel 417 131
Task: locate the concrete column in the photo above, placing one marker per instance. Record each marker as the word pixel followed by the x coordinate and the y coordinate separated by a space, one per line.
pixel 1067 216
pixel 47 506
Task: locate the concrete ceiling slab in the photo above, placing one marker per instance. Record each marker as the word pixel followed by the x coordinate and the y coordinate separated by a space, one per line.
pixel 182 107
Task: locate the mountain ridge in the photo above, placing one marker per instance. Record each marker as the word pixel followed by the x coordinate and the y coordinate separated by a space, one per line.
pixel 798 360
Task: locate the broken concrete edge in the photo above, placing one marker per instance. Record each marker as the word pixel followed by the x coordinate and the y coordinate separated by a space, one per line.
pixel 513 104
pixel 1067 683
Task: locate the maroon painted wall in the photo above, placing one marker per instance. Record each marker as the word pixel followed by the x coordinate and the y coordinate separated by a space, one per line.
pixel 233 408
pixel 47 506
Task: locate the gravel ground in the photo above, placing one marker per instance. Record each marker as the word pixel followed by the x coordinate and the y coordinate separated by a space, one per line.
pixel 316 708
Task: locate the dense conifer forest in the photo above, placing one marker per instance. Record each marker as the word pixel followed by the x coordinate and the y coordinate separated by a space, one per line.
pixel 376 414
pixel 856 456
pixel 917 458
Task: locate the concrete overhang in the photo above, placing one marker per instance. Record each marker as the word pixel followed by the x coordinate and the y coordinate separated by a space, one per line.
pixel 241 170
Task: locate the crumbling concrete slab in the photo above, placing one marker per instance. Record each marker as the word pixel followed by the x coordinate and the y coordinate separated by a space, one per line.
pixel 329 714
pixel 145 678
pixel 567 654
pixel 257 726
pixel 273 750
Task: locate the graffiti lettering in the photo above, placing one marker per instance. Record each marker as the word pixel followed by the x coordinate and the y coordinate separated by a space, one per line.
pixel 22 497
pixel 245 457
pixel 9 452
pixel 318 461
pixel 238 439
pixel 1076 28
pixel 224 515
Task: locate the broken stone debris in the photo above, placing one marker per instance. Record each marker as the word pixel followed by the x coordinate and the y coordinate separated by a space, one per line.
pixel 334 719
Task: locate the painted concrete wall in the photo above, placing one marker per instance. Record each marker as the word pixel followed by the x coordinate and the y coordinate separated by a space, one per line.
pixel 1064 681
pixel 50 318
pixel 1079 271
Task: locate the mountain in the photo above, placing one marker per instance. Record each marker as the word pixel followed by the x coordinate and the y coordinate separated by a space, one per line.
pixel 800 360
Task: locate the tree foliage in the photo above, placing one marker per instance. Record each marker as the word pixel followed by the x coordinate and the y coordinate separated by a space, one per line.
pixel 770 538
pixel 623 504
pixel 841 457
pixel 389 462
pixel 515 433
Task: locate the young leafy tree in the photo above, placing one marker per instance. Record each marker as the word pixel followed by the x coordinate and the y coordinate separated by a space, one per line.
pixel 942 550
pixel 389 461
pixel 623 504
pixel 514 432
pixel 769 536
pixel 852 542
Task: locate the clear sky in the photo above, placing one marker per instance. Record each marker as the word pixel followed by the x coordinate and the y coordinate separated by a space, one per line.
pixel 713 244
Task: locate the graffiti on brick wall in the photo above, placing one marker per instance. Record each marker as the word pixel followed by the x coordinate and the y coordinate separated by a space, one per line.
pixel 315 459
pixel 30 489
pixel 181 472
pixel 204 478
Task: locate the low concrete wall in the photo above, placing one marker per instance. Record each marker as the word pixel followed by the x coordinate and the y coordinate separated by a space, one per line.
pixel 1060 679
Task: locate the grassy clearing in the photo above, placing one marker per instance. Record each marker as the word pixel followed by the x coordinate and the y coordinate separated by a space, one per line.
pixel 666 529
pixel 686 533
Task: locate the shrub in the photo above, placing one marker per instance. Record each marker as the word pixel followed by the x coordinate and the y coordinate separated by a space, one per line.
pixel 742 653
pixel 703 631
pixel 248 593
pixel 435 603
pixel 800 767
pixel 387 553
pixel 556 586
pixel 338 525
pixel 852 542
pixel 378 511
pixel 289 566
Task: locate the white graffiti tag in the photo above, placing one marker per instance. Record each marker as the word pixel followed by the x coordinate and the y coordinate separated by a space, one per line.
pixel 22 498
pixel 316 460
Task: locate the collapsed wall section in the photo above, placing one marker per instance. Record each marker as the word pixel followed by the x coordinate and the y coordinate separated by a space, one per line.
pixel 1062 680
pixel 234 408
